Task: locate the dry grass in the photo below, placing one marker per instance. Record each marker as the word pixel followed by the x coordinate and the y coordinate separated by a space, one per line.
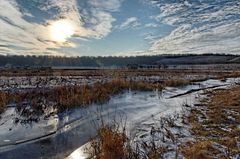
pixel 219 124
pixel 199 150
pixel 176 83
pixel 204 147
pixel 67 97
pixel 113 143
pixel 71 96
pixel 121 73
pixel 3 101
pixel 110 144
pixel 221 103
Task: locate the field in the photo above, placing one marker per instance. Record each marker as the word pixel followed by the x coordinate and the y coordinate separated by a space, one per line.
pixel 120 113
pixel 119 79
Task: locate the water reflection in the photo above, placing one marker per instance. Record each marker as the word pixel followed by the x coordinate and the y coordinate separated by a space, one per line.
pixel 80 153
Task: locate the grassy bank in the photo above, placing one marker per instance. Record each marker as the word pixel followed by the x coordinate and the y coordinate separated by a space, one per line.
pixel 215 123
pixel 214 126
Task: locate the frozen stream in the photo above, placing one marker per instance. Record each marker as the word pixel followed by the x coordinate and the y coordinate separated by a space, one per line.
pixel 59 135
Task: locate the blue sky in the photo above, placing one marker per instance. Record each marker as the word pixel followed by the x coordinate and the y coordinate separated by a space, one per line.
pixel 119 27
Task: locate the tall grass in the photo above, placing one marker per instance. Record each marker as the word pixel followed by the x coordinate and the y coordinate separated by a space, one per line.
pixel 66 97
pixel 112 142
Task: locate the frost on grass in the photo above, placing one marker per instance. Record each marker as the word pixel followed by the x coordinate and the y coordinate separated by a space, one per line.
pixel 209 129
pixel 215 125
pixel 158 140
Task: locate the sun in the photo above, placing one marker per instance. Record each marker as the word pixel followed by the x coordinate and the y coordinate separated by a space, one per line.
pixel 61 30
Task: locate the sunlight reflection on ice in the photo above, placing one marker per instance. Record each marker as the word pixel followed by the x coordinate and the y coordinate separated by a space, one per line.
pixel 80 153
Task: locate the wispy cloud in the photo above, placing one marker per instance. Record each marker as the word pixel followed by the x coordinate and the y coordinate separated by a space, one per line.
pixel 108 5
pixel 18 33
pixel 131 22
pixel 151 25
pixel 33 37
pixel 200 26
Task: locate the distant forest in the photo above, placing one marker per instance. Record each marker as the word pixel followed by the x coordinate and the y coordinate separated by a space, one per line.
pixel 85 61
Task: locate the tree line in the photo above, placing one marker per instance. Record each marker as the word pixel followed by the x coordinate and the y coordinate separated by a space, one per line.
pixel 83 61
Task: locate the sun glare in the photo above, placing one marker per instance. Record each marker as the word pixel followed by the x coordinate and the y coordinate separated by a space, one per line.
pixel 61 30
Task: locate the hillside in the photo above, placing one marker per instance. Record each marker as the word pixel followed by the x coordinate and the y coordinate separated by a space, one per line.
pixel 199 59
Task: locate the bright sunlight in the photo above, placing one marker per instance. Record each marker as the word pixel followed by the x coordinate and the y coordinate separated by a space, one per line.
pixel 61 30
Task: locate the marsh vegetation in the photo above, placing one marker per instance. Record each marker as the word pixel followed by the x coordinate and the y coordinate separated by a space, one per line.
pixel 192 133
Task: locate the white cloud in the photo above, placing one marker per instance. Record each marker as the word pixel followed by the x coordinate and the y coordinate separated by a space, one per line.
pixel 109 5
pixel 150 37
pixel 104 24
pixel 24 37
pixel 133 53
pixel 200 27
pixel 151 25
pixel 131 22
pixel 17 32
pixel 184 39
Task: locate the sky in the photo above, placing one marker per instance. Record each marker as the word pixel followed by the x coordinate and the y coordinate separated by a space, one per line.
pixel 119 27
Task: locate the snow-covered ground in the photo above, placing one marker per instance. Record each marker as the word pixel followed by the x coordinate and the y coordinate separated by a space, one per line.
pixel 31 82
pixel 61 134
